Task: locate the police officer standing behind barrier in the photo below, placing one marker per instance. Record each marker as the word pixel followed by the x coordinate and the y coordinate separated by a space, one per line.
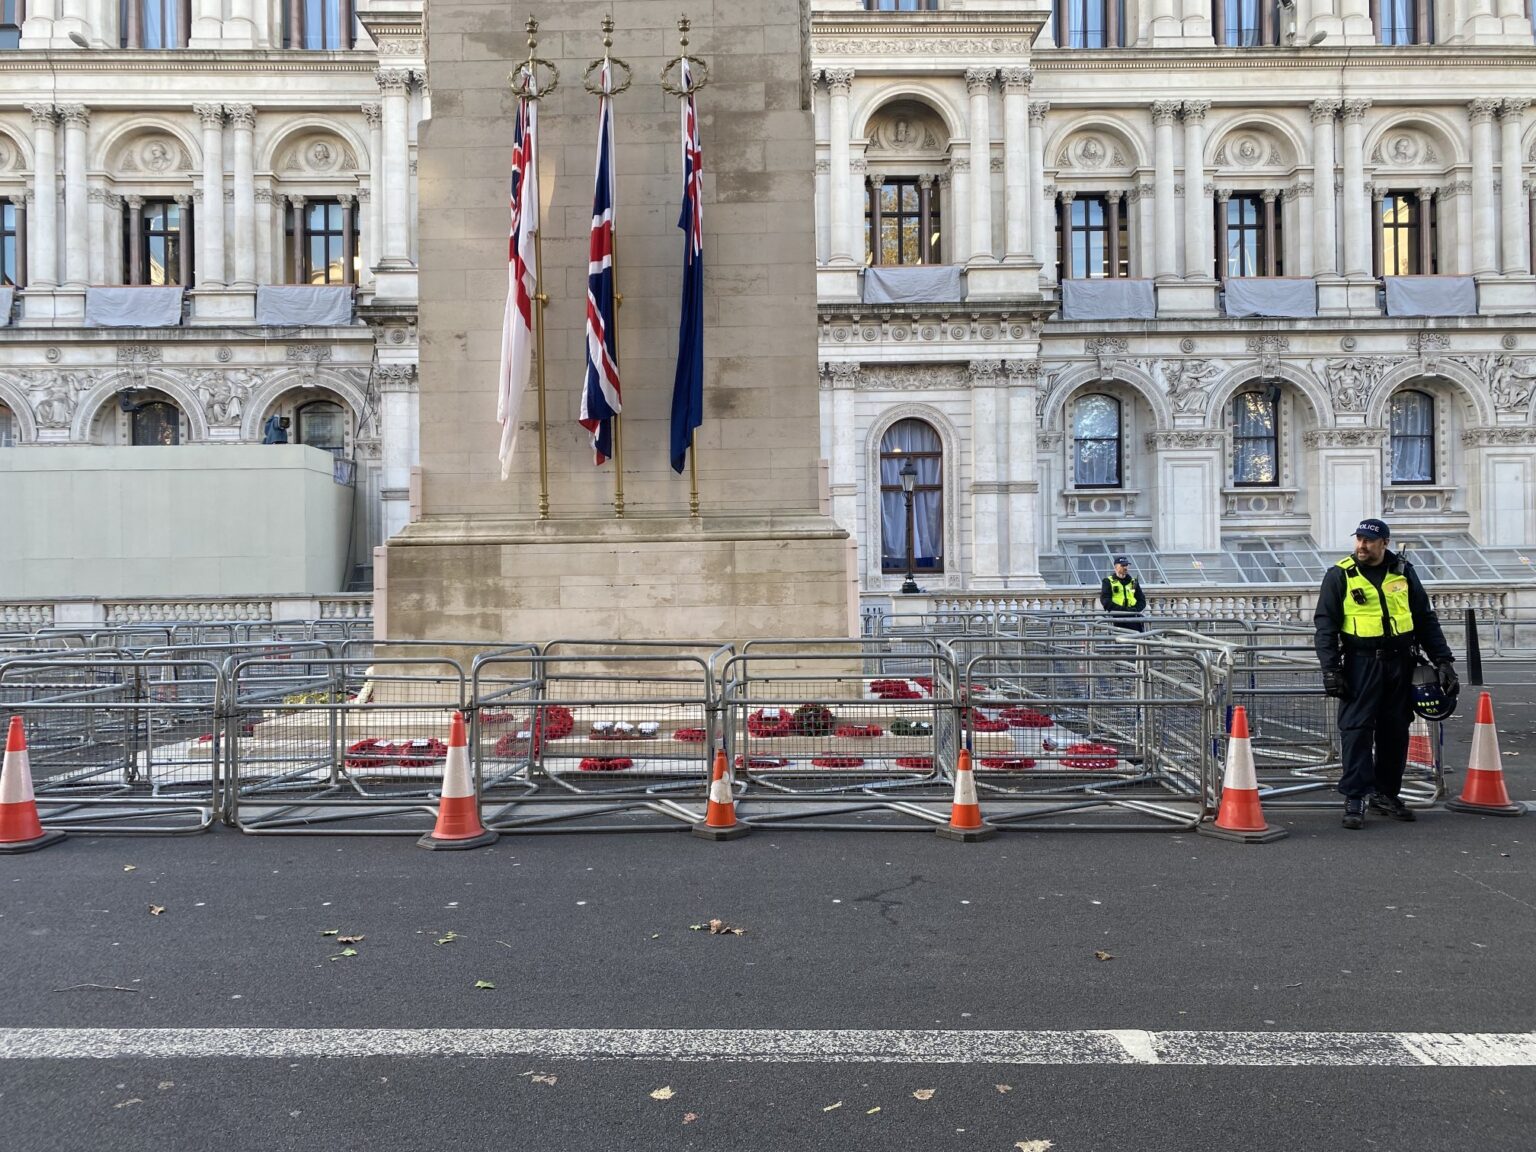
pixel 1121 595
pixel 1371 614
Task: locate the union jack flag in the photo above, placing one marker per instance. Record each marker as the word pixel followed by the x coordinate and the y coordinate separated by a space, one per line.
pixel 600 401
pixel 688 386
pixel 522 282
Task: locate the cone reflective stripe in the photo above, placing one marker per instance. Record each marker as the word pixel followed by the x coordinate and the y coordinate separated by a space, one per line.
pixel 1240 817
pixel 20 828
pixel 1484 792
pixel 458 809
pixel 965 822
pixel 720 821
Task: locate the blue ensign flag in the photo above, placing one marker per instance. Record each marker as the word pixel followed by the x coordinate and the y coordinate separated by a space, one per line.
pixel 688 387
pixel 600 401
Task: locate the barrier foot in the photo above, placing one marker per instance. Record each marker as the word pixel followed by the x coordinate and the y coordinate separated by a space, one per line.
pixel 736 831
pixel 1513 808
pixel 984 831
pixel 1263 836
pixel 435 844
pixel 16 847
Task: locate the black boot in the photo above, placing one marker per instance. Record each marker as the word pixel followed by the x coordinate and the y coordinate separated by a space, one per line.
pixel 1394 807
pixel 1354 812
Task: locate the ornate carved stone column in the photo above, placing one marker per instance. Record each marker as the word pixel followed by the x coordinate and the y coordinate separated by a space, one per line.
pixel 1324 238
pixel 395 248
pixel 986 552
pixel 1197 237
pixel 77 239
pixel 1484 239
pixel 842 380
pixel 925 217
pixel 1271 253
pixel 136 239
pixel 398 391
pixel 1164 206
pixel 1064 235
pixel 242 117
pixel 958 213
pixel 1513 215
pixel 19 203
pixel 1016 82
pixel 183 248
pixel 978 82
pixel 210 225
pixel 839 85
pixel 296 251
pixel 1426 235
pixel 113 210
pixel 1223 199
pixel 876 182
pixel 373 220
pixel 1357 231
pixel 1113 200
pixel 266 269
pixel 348 237
pixel 858 194
pixel 1044 240
pixel 96 241
pixel 1023 486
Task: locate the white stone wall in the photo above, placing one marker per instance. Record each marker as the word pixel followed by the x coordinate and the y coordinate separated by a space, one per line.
pixel 255 129
pixel 1167 130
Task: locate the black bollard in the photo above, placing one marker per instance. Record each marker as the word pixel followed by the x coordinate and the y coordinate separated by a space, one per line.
pixel 1474 653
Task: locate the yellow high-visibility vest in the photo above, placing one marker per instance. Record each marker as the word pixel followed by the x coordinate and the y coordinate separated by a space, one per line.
pixel 1363 616
pixel 1122 594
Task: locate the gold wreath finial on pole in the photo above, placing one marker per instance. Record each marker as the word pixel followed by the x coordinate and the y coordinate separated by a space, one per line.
pixel 618 68
pixel 698 71
pixel 525 80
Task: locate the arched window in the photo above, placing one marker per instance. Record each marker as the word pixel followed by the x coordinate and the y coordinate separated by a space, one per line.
pixel 7 427
pixel 1411 417
pixel 1255 439
pixel 1096 442
pixel 157 422
pixel 323 424
pixel 916 443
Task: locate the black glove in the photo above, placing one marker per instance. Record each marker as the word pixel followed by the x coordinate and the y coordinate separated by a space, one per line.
pixel 1450 683
pixel 1334 685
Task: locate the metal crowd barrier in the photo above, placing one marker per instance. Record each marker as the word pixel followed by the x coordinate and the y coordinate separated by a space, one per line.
pixel 315 743
pixel 118 744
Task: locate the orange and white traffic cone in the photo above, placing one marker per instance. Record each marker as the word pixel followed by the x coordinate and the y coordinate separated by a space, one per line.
pixel 458 809
pixel 20 829
pixel 1421 749
pixel 1240 817
pixel 1484 793
pixel 720 821
pixel 965 822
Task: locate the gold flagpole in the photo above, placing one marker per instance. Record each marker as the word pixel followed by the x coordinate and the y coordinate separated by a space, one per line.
pixel 696 80
pixel 525 84
pixel 611 90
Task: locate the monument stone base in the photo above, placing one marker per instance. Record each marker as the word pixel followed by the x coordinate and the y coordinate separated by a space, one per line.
pixel 636 579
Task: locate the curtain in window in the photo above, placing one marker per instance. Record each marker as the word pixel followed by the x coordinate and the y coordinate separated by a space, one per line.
pixel 1413 438
pixel 1096 442
pixel 909 437
pixel 1254 447
pixel 322 24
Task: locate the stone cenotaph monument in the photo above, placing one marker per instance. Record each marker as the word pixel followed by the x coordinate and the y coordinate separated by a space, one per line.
pixel 760 556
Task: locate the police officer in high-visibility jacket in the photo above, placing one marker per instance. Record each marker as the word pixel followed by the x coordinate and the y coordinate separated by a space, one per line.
pixel 1121 595
pixel 1371 614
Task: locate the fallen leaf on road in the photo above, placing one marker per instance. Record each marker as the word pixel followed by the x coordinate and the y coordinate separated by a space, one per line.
pixel 126 1103
pixel 488 984
pixel 690 1117
pixel 833 1107
pixel 663 1093
pixel 449 938
pixel 329 931
pixel 540 1078
pixel 164 1084
pixel 721 928
pixel 873 1110
pixel 1034 1145
pixel 156 909
pixel 348 939
pixel 1003 1089
pixel 1102 955
pixel 349 951
pixel 924 1094
pixel 130 867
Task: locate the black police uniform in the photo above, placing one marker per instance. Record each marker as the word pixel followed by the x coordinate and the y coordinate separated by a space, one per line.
pixel 1129 615
pixel 1377 705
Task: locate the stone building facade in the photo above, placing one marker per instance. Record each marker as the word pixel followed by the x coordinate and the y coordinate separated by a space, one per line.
pixel 1205 283
pixel 215 152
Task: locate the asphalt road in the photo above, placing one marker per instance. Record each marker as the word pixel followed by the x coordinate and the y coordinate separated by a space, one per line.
pixel 1429 927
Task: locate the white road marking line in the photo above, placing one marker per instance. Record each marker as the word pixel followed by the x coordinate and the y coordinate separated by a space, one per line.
pixel 786 1046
